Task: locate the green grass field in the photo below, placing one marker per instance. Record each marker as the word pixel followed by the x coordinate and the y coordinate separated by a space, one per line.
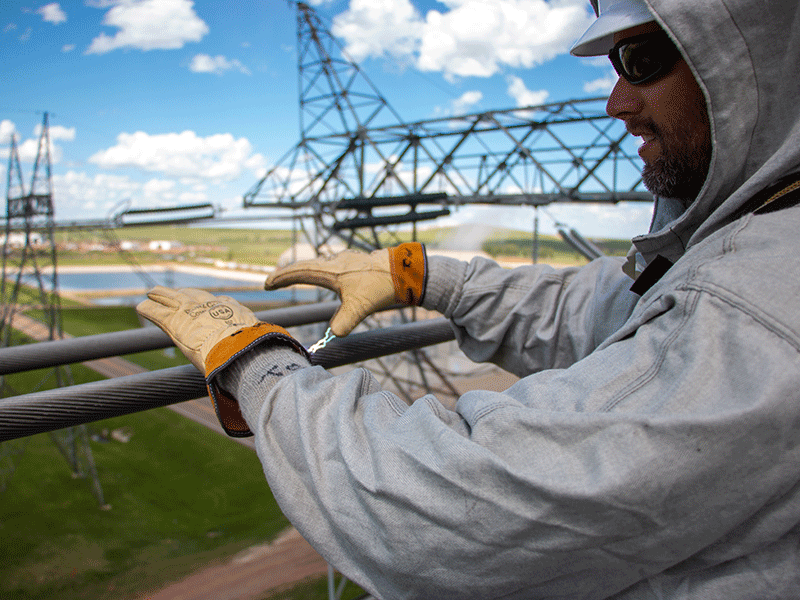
pixel 263 247
pixel 175 504
pixel 550 248
pixel 256 246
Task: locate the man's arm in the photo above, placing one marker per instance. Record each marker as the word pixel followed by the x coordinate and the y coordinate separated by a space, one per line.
pixel 525 319
pixel 576 482
pixel 530 318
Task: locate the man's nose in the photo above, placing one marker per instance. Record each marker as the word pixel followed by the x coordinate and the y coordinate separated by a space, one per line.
pixel 624 100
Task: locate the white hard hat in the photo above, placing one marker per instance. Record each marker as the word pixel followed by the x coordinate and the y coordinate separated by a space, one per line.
pixel 612 16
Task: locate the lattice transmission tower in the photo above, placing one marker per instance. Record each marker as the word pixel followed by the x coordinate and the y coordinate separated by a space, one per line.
pixel 31 304
pixel 359 170
pixel 360 173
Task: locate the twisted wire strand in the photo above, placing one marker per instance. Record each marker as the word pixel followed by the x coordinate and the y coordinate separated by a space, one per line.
pixel 29 414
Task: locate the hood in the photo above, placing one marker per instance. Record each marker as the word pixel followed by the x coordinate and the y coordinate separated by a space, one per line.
pixel 745 55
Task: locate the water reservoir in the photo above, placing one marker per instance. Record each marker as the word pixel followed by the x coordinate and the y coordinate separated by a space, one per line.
pixel 121 285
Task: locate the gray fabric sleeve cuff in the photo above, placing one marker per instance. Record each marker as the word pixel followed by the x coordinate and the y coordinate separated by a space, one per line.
pixel 445 278
pixel 250 377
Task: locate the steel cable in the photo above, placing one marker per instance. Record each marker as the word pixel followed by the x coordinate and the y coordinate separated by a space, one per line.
pixel 29 414
pixel 15 359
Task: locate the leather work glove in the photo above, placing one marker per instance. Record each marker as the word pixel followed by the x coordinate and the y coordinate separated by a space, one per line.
pixel 212 331
pixel 365 282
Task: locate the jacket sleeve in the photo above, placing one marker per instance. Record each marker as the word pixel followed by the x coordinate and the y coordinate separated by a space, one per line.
pixel 533 317
pixel 573 483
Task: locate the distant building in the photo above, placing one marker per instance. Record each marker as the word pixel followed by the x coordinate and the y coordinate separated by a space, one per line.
pixel 129 246
pixel 164 245
pixel 17 240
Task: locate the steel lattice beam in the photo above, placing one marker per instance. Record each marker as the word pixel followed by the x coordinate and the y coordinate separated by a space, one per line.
pixel 354 145
pixel 526 156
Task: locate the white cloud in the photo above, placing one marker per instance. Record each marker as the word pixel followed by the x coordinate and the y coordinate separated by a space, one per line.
pixel 68 48
pixel 158 190
pixel 52 13
pixel 472 38
pixel 218 157
pixel 621 221
pixel 56 132
pixel 522 95
pixel 603 84
pixel 203 63
pixel 596 61
pixel 378 27
pixel 466 100
pixel 150 25
pixel 28 149
pixel 7 129
pixel 192 198
pixel 79 195
pixel 257 163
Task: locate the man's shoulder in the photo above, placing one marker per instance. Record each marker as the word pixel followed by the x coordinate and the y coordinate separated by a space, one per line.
pixel 758 248
pixel 755 264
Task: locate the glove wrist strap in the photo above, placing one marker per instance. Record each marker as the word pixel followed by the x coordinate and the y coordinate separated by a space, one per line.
pixel 408 264
pixel 223 354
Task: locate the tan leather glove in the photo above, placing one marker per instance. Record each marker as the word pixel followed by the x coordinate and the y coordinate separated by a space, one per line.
pixel 212 331
pixel 365 282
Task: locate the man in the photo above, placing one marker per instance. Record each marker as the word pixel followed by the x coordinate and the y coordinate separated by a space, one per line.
pixel 652 447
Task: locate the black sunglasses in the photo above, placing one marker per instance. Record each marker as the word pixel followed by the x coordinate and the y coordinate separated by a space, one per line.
pixel 645 57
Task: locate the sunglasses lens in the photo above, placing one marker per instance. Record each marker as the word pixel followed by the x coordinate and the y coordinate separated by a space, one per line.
pixel 644 57
pixel 638 61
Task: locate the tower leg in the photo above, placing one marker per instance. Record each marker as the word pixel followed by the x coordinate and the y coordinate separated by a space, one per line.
pixel 30 279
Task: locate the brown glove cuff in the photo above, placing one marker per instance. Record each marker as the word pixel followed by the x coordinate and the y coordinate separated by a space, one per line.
pixel 225 352
pixel 408 264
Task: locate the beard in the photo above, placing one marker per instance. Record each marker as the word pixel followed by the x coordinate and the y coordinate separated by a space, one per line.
pixel 679 172
pixel 682 167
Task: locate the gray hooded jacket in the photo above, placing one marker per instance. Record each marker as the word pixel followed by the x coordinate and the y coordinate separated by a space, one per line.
pixel 651 449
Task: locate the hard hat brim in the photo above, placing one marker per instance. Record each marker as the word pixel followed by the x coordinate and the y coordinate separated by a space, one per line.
pixel 599 38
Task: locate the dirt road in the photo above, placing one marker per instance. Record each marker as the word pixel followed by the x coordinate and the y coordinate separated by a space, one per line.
pixel 251 573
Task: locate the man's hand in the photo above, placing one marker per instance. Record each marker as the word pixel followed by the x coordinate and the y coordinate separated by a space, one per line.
pixel 212 331
pixel 194 319
pixel 366 283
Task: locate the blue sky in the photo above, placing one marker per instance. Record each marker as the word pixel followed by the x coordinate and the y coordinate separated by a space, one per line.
pixel 168 102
